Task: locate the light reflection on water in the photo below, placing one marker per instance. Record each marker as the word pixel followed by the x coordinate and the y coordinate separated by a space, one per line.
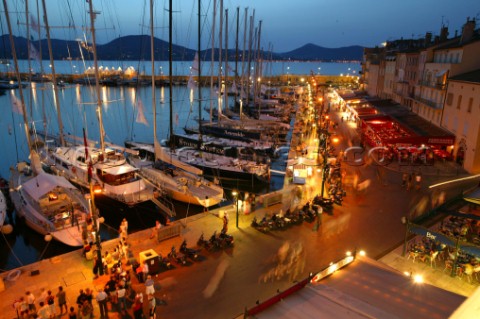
pixel 78 111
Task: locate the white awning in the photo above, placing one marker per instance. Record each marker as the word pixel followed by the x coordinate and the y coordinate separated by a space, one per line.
pixel 43 183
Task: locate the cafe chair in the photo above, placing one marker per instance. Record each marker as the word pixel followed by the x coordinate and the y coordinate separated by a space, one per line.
pixel 468 271
pixel 449 265
pixel 413 255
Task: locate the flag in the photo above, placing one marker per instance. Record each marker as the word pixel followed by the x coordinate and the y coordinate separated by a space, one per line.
pixel 34 24
pixel 17 105
pixel 176 119
pixel 33 53
pixel 141 114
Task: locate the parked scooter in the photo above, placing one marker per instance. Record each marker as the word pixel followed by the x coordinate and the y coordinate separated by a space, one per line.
pixel 202 242
pixel 189 252
pixel 226 239
pixel 178 258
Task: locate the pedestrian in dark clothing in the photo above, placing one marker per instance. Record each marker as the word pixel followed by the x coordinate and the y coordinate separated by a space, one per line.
pixel 409 181
pixel 404 179
pixel 62 300
pixel 81 298
pixel 96 266
pixel 72 314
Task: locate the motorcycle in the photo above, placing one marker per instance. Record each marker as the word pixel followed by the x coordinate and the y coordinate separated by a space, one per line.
pixel 262 225
pixel 227 240
pixel 189 252
pixel 177 257
pixel 202 242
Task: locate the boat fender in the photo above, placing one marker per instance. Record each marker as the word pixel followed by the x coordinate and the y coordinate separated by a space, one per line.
pixel 13 275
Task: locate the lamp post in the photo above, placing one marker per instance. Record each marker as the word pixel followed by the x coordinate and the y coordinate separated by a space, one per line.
pixel 235 195
pixel 406 222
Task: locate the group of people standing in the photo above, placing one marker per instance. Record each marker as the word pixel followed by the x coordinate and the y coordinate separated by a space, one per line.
pixel 26 307
pixel 409 181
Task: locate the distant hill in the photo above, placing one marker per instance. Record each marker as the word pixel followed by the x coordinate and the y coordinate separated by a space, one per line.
pixel 315 52
pixel 137 47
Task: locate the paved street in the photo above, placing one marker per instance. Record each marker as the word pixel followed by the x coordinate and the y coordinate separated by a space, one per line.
pixel 225 282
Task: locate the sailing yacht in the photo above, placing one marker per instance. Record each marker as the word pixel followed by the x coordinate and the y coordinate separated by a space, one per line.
pixel 177 180
pixel 49 204
pixel 112 175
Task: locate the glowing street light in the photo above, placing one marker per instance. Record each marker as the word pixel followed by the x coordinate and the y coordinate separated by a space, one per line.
pixel 235 195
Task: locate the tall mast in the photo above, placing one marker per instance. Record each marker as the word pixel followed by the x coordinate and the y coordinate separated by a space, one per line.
pixel 19 79
pixel 29 55
pixel 97 76
pixel 213 57
pixel 170 68
pixel 236 54
pixel 249 60
pixel 152 56
pixel 199 33
pixel 54 76
pixel 220 44
pixel 225 92
pixel 40 52
pixel 243 57
pixel 258 66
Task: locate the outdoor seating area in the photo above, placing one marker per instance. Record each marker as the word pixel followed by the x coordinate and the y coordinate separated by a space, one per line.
pixel 438 255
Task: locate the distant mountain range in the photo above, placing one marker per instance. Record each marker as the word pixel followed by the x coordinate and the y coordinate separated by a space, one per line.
pixel 137 47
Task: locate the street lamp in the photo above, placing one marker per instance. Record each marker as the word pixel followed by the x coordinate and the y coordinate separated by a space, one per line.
pixel 406 222
pixel 235 195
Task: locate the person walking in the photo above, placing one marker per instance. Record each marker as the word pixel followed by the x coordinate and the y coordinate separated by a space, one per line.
pixel 102 303
pixel 138 306
pixel 87 310
pixel 96 266
pixel 151 307
pixel 72 314
pixel 31 302
pixel 51 304
pixel 44 311
pixel 62 300
pixel 149 286
pixel 404 179
pixel 155 230
pixel 409 181
pixel 122 301
pixel 418 181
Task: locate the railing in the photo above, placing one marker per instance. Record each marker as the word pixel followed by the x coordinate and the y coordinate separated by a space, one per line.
pixel 432 104
pixel 433 85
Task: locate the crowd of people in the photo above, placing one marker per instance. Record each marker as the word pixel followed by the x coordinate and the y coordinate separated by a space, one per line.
pixel 117 295
pixel 47 306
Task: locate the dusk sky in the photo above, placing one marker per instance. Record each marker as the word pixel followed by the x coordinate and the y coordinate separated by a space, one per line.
pixel 286 24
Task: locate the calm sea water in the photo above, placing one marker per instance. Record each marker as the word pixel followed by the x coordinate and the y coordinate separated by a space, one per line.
pixel 183 67
pixel 120 108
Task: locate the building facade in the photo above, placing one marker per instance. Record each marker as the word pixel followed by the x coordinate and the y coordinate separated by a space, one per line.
pixel 432 78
